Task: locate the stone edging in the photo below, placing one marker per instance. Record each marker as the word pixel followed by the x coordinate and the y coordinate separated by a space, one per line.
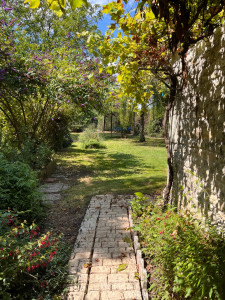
pixel 139 259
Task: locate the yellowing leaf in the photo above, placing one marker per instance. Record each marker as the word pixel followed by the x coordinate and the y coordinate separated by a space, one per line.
pixel 121 267
pixel 33 3
pixel 62 3
pixel 119 78
pixel 55 7
pixel 76 3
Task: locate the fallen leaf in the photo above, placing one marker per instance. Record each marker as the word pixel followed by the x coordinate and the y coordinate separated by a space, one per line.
pixel 136 275
pixel 121 267
pixel 129 228
pixel 89 265
pixel 122 255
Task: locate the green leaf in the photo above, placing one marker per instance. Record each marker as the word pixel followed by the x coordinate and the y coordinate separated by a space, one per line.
pixel 210 293
pixel 188 293
pixel 137 228
pixel 121 267
pixel 138 194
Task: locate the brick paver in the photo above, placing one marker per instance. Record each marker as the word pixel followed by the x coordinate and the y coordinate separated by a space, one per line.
pixel 104 243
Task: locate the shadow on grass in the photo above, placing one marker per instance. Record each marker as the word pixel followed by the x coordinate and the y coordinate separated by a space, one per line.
pixel 100 171
pixel 151 142
pixel 118 186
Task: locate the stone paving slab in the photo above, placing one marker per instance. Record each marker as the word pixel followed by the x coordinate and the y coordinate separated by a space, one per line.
pixel 104 243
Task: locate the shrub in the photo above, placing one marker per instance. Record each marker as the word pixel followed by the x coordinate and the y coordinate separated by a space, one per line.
pixel 32 265
pixel 18 189
pixel 57 133
pixel 186 261
pixel 36 155
pixel 155 128
pixel 90 138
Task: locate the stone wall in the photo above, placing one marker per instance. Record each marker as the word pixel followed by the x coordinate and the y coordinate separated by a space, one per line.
pixel 197 131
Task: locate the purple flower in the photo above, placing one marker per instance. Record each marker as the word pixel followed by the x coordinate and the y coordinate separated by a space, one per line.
pixel 3 3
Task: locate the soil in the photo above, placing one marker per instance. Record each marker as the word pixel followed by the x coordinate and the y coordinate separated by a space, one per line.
pixel 63 216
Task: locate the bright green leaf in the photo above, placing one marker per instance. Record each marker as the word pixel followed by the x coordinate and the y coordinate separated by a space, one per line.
pixel 138 194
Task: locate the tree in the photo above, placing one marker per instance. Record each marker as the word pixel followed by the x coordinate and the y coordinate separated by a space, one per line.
pixel 58 6
pixel 124 115
pixel 148 39
pixel 37 79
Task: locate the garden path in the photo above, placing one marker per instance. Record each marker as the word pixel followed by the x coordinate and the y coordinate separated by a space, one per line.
pixel 103 264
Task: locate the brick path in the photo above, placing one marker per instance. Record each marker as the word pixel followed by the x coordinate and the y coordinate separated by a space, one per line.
pixel 103 244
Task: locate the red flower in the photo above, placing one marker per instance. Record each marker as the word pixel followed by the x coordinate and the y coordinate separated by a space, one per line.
pixel 33 267
pixel 28 269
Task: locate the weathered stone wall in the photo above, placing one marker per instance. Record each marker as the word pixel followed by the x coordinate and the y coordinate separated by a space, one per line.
pixel 197 131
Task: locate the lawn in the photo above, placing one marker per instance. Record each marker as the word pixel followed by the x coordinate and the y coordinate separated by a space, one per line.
pixel 125 166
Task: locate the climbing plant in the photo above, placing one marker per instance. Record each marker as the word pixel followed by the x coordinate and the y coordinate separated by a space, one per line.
pixel 145 40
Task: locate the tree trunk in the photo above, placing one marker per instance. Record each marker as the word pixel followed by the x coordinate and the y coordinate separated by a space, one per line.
pixel 142 129
pixel 111 123
pixel 104 123
pixel 167 142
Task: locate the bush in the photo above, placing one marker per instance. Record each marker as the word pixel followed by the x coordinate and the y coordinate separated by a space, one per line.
pixel 90 138
pixel 155 128
pixel 18 189
pixel 58 135
pixel 32 265
pixel 36 155
pixel 186 261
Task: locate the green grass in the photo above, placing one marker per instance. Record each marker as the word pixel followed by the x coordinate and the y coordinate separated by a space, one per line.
pixel 125 166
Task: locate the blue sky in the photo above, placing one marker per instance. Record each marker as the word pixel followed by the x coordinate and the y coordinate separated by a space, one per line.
pixel 106 18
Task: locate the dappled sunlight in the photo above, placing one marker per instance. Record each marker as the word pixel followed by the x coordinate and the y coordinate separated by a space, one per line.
pixel 124 167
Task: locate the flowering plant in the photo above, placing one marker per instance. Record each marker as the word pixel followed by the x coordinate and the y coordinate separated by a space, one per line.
pixel 184 259
pixel 25 254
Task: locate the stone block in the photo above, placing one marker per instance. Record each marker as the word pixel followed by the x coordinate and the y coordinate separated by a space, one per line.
pixel 99 286
pixel 100 270
pixel 92 295
pixel 123 286
pixel 98 278
pixel 111 262
pixel 75 296
pixel 131 295
pixel 112 295
pixel 117 278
